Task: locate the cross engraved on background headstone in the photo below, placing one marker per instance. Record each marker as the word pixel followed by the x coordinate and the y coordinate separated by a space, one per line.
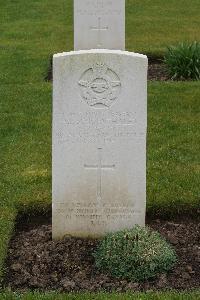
pixel 99 29
pixel 99 167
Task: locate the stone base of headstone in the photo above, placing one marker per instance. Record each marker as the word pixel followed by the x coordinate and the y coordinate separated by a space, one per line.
pixel 99 142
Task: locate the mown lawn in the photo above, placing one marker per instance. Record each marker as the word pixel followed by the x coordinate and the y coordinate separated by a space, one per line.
pixel 151 26
pixel 103 296
pixel 31 31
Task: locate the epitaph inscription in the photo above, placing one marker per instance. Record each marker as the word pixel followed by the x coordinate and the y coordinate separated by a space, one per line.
pixel 96 215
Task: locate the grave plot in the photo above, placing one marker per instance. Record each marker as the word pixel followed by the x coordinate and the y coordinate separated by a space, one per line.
pixel 99 146
pixel 36 262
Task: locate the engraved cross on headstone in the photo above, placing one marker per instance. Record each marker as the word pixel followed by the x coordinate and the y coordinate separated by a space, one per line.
pixel 99 167
pixel 99 29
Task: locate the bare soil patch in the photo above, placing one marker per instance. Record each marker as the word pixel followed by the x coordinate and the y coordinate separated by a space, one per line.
pixel 158 71
pixel 36 262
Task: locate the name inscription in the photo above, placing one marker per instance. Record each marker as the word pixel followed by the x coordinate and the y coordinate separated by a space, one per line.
pixel 104 126
pixel 108 118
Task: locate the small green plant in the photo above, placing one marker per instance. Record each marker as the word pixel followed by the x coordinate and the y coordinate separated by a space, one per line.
pixel 183 61
pixel 135 254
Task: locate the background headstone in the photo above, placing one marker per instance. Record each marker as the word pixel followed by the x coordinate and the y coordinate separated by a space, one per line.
pixel 99 142
pixel 99 24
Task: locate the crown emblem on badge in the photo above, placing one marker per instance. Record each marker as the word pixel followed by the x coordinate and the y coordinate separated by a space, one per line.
pixel 99 68
pixel 100 86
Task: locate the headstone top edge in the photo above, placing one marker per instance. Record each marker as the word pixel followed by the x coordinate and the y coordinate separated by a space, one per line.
pixel 99 51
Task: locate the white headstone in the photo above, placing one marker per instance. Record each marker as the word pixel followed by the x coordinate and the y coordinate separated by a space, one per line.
pixel 99 142
pixel 99 24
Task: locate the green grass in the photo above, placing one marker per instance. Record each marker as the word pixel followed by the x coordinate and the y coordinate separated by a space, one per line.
pixel 172 151
pixel 26 148
pixel 103 296
pixel 151 26
pixel 31 31
pixel 7 217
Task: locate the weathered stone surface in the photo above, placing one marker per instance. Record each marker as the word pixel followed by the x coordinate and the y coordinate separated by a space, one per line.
pixel 99 142
pixel 99 24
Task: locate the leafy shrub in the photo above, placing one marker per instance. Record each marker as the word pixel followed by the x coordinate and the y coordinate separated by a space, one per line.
pixel 135 254
pixel 183 61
